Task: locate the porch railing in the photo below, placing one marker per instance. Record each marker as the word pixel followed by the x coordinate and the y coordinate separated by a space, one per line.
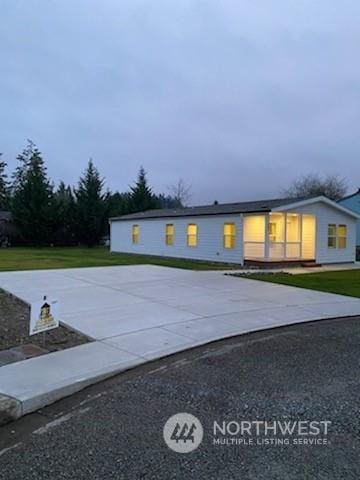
pixel 254 249
pixel 277 250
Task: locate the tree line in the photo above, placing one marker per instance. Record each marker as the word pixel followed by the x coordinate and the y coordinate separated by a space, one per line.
pixel 312 185
pixel 70 215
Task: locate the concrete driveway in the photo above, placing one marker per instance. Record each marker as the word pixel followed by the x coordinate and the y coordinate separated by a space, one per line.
pixel 109 302
pixel 143 312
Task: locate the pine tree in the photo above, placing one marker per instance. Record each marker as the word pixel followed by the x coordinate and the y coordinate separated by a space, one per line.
pixel 4 186
pixel 168 201
pixel 32 204
pixel 119 204
pixel 92 206
pixel 141 195
pixel 65 208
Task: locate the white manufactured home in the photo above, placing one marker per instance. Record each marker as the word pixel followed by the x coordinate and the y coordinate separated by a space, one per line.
pixel 282 230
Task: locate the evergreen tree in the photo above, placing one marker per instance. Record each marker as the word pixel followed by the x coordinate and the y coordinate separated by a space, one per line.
pixel 141 195
pixel 4 186
pixel 92 207
pixel 119 204
pixel 65 208
pixel 168 201
pixel 32 203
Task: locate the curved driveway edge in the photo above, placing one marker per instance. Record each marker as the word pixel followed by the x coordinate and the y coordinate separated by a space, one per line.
pixel 10 409
pixel 41 381
pixel 141 313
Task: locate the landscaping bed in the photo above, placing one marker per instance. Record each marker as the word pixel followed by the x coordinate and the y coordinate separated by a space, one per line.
pixel 14 332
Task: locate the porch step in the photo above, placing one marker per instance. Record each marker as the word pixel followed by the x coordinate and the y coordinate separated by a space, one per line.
pixel 280 263
pixel 311 264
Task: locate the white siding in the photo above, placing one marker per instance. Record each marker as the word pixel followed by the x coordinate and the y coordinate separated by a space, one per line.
pixel 152 238
pixel 326 214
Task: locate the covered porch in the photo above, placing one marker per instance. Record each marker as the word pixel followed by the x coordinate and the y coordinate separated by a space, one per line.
pixel 279 236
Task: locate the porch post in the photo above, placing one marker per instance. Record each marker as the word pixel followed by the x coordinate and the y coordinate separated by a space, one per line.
pixel 266 245
pixel 285 236
pixel 241 235
pixel 301 235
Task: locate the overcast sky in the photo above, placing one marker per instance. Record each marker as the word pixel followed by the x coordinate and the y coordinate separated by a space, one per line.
pixel 237 97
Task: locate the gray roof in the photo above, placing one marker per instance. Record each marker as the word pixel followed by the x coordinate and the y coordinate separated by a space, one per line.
pixel 217 209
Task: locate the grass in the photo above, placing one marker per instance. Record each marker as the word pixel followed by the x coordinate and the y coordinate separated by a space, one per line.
pixel 28 258
pixel 344 282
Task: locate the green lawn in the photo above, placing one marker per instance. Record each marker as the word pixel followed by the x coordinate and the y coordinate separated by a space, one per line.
pixel 344 282
pixel 72 257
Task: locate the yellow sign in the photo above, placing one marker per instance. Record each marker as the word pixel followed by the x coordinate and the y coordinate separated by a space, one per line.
pixel 44 316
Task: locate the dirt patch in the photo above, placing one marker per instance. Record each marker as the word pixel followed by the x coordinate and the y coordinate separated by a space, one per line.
pixel 14 328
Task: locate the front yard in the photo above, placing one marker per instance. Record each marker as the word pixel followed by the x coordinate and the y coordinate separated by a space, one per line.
pixel 74 257
pixel 344 282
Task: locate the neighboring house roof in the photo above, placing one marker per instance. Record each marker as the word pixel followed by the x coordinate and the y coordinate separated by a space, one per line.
pixel 257 206
pixel 5 216
pixel 350 196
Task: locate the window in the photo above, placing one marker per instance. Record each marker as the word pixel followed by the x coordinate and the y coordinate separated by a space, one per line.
pixel 293 227
pixel 337 236
pixel 254 236
pixel 341 234
pixel 192 235
pixel 229 235
pixel 169 234
pixel 135 234
pixel 331 235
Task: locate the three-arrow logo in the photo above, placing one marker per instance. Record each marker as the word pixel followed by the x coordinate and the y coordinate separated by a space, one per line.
pixel 183 432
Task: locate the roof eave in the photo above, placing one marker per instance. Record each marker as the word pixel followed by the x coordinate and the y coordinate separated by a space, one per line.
pixel 320 198
pixel 125 218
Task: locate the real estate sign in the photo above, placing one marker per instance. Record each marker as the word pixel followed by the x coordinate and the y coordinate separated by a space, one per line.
pixel 44 315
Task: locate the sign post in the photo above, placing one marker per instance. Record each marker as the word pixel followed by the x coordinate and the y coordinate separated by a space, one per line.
pixel 44 316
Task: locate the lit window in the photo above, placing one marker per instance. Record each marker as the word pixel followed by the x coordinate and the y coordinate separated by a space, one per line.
pixel 192 235
pixel 293 227
pixel 331 235
pixel 229 235
pixel 135 233
pixel 341 234
pixel 169 234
